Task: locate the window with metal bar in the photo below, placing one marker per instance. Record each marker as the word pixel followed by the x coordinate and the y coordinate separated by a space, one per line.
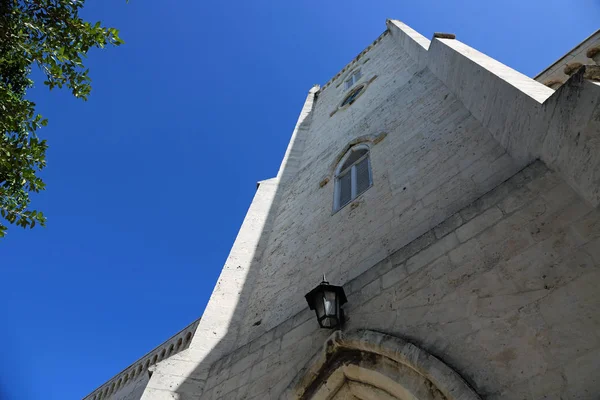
pixel 353 78
pixel 353 176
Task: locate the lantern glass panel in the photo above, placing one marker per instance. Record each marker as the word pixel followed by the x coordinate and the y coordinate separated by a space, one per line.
pixel 328 322
pixel 319 304
pixel 329 301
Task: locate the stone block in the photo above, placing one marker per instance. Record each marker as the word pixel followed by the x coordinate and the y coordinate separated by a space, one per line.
pixel 588 227
pixel 581 376
pixel 449 225
pixel 547 386
pixel 545 182
pixel 500 305
pixel 442 246
pixel 261 368
pixel 394 276
pixel 371 290
pixel 301 331
pixel 478 224
pixel 467 254
pixel 517 199
pixel 559 196
pixel 488 200
pixel 245 363
pixel 234 383
pixel 283 328
pixel 412 248
pixel 593 249
pixel 272 347
pixel 262 340
pixel 369 275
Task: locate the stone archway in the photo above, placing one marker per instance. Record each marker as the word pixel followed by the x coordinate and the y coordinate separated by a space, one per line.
pixel 369 365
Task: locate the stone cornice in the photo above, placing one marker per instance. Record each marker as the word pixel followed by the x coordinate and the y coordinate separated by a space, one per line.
pixel 184 334
pixel 354 61
pixel 563 60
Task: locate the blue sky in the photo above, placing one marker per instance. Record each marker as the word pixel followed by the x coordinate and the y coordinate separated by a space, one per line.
pixel 148 181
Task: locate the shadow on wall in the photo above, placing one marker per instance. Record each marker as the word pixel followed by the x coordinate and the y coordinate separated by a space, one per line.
pixel 183 376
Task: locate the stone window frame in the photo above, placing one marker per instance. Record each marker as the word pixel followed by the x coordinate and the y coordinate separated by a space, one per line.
pixel 351 170
pixel 361 86
pixel 356 92
pixel 354 76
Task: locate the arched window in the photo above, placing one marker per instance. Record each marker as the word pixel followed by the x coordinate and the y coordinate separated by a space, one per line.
pixel 147 364
pixel 170 351
pixel 353 95
pixel 188 337
pixel 154 359
pixel 352 176
pixel 179 343
pixel 162 354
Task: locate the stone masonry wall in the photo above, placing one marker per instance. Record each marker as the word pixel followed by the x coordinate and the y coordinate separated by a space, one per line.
pixel 435 158
pixel 505 291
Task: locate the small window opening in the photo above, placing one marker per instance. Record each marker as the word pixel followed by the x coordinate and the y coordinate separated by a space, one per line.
pixel 353 176
pixel 179 343
pixel 353 78
pixel 353 95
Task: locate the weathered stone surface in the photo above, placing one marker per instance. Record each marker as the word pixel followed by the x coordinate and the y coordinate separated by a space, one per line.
pixel 478 224
pixel 510 312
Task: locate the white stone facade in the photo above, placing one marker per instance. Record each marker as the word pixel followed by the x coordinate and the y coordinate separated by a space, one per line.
pixel 471 265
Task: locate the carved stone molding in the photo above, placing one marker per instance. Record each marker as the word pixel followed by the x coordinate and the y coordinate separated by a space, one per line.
pixel 371 364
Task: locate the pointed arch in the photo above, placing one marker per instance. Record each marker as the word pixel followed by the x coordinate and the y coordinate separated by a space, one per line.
pixel 369 140
pixel 371 364
pixel 353 175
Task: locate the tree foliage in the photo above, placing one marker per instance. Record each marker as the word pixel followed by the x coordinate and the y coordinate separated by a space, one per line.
pixel 49 35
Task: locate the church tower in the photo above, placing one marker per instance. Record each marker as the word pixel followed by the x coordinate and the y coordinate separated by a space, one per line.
pixel 455 201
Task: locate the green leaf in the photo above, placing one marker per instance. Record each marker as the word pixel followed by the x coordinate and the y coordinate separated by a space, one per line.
pixel 51 36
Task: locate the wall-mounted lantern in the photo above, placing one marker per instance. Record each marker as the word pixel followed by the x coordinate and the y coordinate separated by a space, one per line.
pixel 327 301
